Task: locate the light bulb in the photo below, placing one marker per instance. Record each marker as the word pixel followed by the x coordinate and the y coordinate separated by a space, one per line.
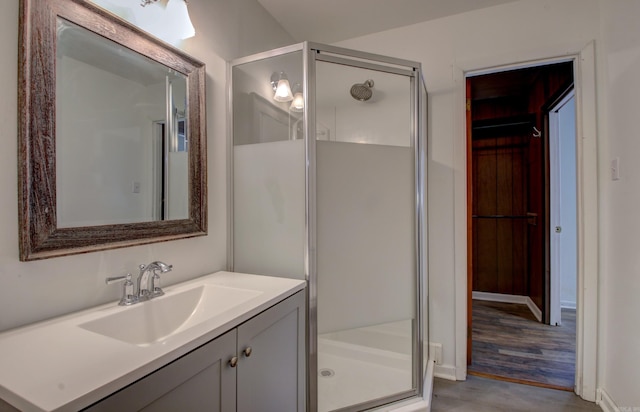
pixel 283 90
pixel 297 105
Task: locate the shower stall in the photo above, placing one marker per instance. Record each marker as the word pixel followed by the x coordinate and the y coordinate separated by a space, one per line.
pixel 326 184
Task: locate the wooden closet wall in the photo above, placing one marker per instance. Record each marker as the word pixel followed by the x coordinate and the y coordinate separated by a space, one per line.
pixel 510 178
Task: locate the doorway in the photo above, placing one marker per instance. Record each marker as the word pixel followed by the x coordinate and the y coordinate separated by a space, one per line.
pixel 510 210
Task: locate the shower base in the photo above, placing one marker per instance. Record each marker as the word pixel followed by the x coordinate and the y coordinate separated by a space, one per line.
pixel 363 364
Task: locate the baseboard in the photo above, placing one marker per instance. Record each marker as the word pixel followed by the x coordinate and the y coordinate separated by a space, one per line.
pixel 605 402
pixel 534 309
pixel 447 372
pixel 501 297
pixel 565 304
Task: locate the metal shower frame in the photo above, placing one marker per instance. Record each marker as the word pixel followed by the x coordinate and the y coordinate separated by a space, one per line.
pixel 311 53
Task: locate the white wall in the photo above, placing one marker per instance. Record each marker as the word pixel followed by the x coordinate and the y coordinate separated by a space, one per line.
pixel 514 32
pixel 34 291
pixel 620 201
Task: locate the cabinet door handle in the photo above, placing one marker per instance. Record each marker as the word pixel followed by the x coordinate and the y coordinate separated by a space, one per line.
pixel 233 361
pixel 247 351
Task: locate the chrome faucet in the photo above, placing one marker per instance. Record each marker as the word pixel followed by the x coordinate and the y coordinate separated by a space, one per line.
pixel 149 280
pixel 148 283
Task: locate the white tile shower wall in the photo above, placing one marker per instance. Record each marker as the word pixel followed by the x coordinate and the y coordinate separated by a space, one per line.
pixel 366 258
pixel 269 208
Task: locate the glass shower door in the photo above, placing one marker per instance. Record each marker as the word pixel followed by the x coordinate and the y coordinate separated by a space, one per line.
pixel 367 287
pixel 268 170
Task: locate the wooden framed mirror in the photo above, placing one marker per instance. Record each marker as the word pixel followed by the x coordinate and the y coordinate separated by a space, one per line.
pixel 112 134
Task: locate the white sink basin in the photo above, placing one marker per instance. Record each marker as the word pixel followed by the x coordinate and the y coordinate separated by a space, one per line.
pixel 39 367
pixel 152 321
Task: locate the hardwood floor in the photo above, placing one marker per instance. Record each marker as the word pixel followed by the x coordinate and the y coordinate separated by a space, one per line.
pixel 487 395
pixel 510 344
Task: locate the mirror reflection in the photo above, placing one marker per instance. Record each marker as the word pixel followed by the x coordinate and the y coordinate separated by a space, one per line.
pixel 111 136
pixel 121 147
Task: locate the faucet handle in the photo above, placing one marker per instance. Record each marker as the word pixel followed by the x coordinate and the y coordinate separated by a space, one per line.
pixel 156 290
pixel 128 295
pixel 115 279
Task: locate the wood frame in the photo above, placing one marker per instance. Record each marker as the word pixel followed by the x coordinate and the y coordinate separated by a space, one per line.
pixel 469 212
pixel 39 235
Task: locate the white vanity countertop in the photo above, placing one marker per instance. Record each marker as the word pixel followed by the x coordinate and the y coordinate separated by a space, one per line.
pixel 57 365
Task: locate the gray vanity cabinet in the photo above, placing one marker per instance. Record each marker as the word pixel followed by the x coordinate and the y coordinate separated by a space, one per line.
pixel 199 381
pixel 267 374
pixel 271 365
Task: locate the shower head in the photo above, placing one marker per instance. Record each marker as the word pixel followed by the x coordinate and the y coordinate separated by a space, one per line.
pixel 362 91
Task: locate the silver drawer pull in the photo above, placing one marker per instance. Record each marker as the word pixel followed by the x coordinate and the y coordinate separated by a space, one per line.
pixel 233 361
pixel 247 351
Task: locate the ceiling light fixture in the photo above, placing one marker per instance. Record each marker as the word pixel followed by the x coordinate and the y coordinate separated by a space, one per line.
pixel 169 21
pixel 179 21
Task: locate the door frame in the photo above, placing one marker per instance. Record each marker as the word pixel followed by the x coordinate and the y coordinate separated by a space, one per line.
pixel 587 214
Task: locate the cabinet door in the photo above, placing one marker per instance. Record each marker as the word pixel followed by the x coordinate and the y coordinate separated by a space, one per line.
pixel 202 380
pixel 271 378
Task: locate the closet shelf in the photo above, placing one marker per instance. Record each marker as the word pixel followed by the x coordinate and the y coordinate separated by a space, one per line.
pixel 502 126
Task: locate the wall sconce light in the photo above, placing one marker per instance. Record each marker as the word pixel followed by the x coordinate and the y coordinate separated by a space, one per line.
pixel 297 105
pixel 280 85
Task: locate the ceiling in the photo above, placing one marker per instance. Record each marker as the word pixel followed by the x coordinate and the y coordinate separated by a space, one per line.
pixel 329 21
